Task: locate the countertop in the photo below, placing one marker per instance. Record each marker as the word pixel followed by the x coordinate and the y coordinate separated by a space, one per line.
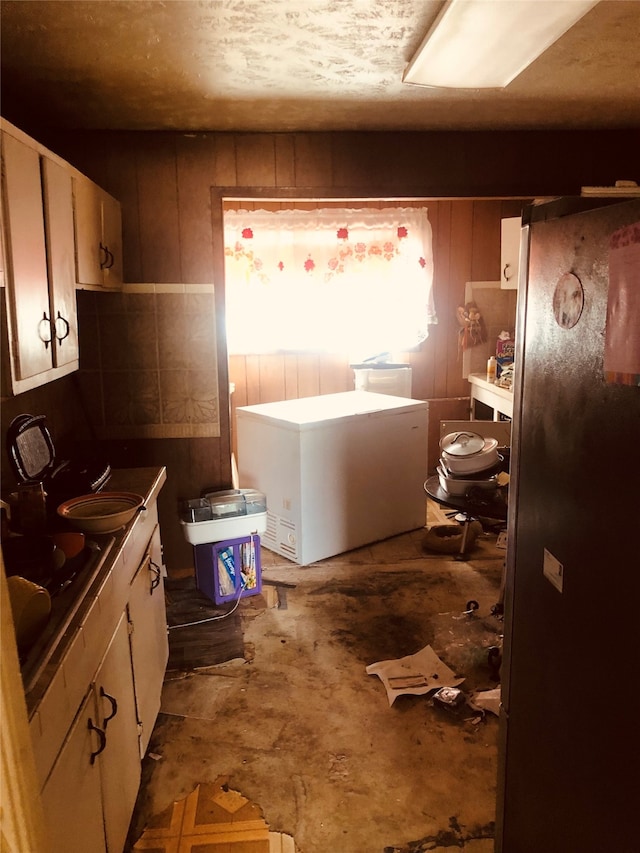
pixel 71 606
pixel 480 380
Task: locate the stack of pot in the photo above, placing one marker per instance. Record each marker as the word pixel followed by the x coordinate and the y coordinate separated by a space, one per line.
pixel 468 461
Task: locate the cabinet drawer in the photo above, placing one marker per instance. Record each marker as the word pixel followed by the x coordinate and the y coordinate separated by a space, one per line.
pixel 106 609
pixel 139 538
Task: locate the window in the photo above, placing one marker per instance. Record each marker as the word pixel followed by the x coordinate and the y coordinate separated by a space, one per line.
pixel 332 280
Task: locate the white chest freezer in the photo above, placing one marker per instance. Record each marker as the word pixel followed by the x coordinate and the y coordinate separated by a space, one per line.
pixel 339 471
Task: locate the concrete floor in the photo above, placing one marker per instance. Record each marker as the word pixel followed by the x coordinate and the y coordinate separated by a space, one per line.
pixel 300 729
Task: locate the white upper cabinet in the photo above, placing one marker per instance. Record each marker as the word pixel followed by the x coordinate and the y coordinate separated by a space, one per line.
pixel 59 231
pixel 39 252
pixel 28 294
pixel 112 237
pixel 61 261
pixel 510 253
pixel 98 228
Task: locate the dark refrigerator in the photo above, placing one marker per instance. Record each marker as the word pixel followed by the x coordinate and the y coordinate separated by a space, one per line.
pixel 569 755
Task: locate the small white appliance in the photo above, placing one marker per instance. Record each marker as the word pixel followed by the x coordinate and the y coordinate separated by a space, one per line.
pixel 382 378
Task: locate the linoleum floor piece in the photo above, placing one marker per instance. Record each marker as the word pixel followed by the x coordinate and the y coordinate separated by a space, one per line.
pixel 212 819
pixel 299 727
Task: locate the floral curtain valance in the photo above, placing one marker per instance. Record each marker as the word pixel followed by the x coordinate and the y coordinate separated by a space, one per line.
pixel 341 280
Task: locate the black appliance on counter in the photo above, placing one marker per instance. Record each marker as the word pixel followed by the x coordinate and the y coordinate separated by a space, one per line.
pixel 33 460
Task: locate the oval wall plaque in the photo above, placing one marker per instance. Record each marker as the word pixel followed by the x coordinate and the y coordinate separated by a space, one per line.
pixel 568 300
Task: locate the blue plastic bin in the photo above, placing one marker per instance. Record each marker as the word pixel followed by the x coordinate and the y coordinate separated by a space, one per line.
pixel 226 571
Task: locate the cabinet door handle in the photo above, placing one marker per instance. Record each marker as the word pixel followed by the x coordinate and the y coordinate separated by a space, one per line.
pixel 103 740
pixel 114 707
pixel 67 328
pixel 110 259
pixel 155 571
pixel 104 259
pixel 504 272
pixel 45 324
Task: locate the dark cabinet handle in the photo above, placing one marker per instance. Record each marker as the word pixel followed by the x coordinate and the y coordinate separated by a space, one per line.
pixel 155 571
pixel 46 324
pixel 103 740
pixel 114 707
pixel 107 260
pixel 67 328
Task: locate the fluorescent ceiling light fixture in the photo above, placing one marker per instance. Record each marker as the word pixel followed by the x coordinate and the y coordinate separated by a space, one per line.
pixel 485 44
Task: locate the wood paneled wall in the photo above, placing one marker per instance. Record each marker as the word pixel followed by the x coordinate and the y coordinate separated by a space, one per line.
pixel 171 186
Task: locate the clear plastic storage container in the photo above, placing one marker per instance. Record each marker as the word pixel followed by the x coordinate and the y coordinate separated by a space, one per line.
pixel 223 515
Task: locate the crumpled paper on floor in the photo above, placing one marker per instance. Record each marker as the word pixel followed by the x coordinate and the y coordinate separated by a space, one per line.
pixel 415 674
pixel 486 700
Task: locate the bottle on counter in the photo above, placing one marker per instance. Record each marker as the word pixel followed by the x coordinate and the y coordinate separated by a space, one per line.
pixel 491 369
pixel 32 509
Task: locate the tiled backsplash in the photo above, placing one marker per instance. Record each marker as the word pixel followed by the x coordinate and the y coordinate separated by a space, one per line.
pixel 148 365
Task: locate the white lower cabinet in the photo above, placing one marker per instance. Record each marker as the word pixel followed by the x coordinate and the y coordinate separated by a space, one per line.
pixel 72 796
pixel 120 760
pixel 90 794
pixel 92 725
pixel 148 634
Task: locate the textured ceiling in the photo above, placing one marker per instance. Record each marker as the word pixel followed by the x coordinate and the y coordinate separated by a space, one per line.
pixel 285 65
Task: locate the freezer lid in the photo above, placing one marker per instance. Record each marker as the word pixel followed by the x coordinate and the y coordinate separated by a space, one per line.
pixel 309 412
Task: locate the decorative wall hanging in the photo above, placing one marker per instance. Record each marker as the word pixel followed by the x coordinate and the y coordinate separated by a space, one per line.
pixel 622 339
pixel 568 300
pixel 472 329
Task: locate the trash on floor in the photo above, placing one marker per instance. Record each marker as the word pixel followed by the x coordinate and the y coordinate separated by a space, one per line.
pixel 416 674
pixel 456 836
pixel 448 538
pixel 449 697
pixel 486 700
pixel 468 642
